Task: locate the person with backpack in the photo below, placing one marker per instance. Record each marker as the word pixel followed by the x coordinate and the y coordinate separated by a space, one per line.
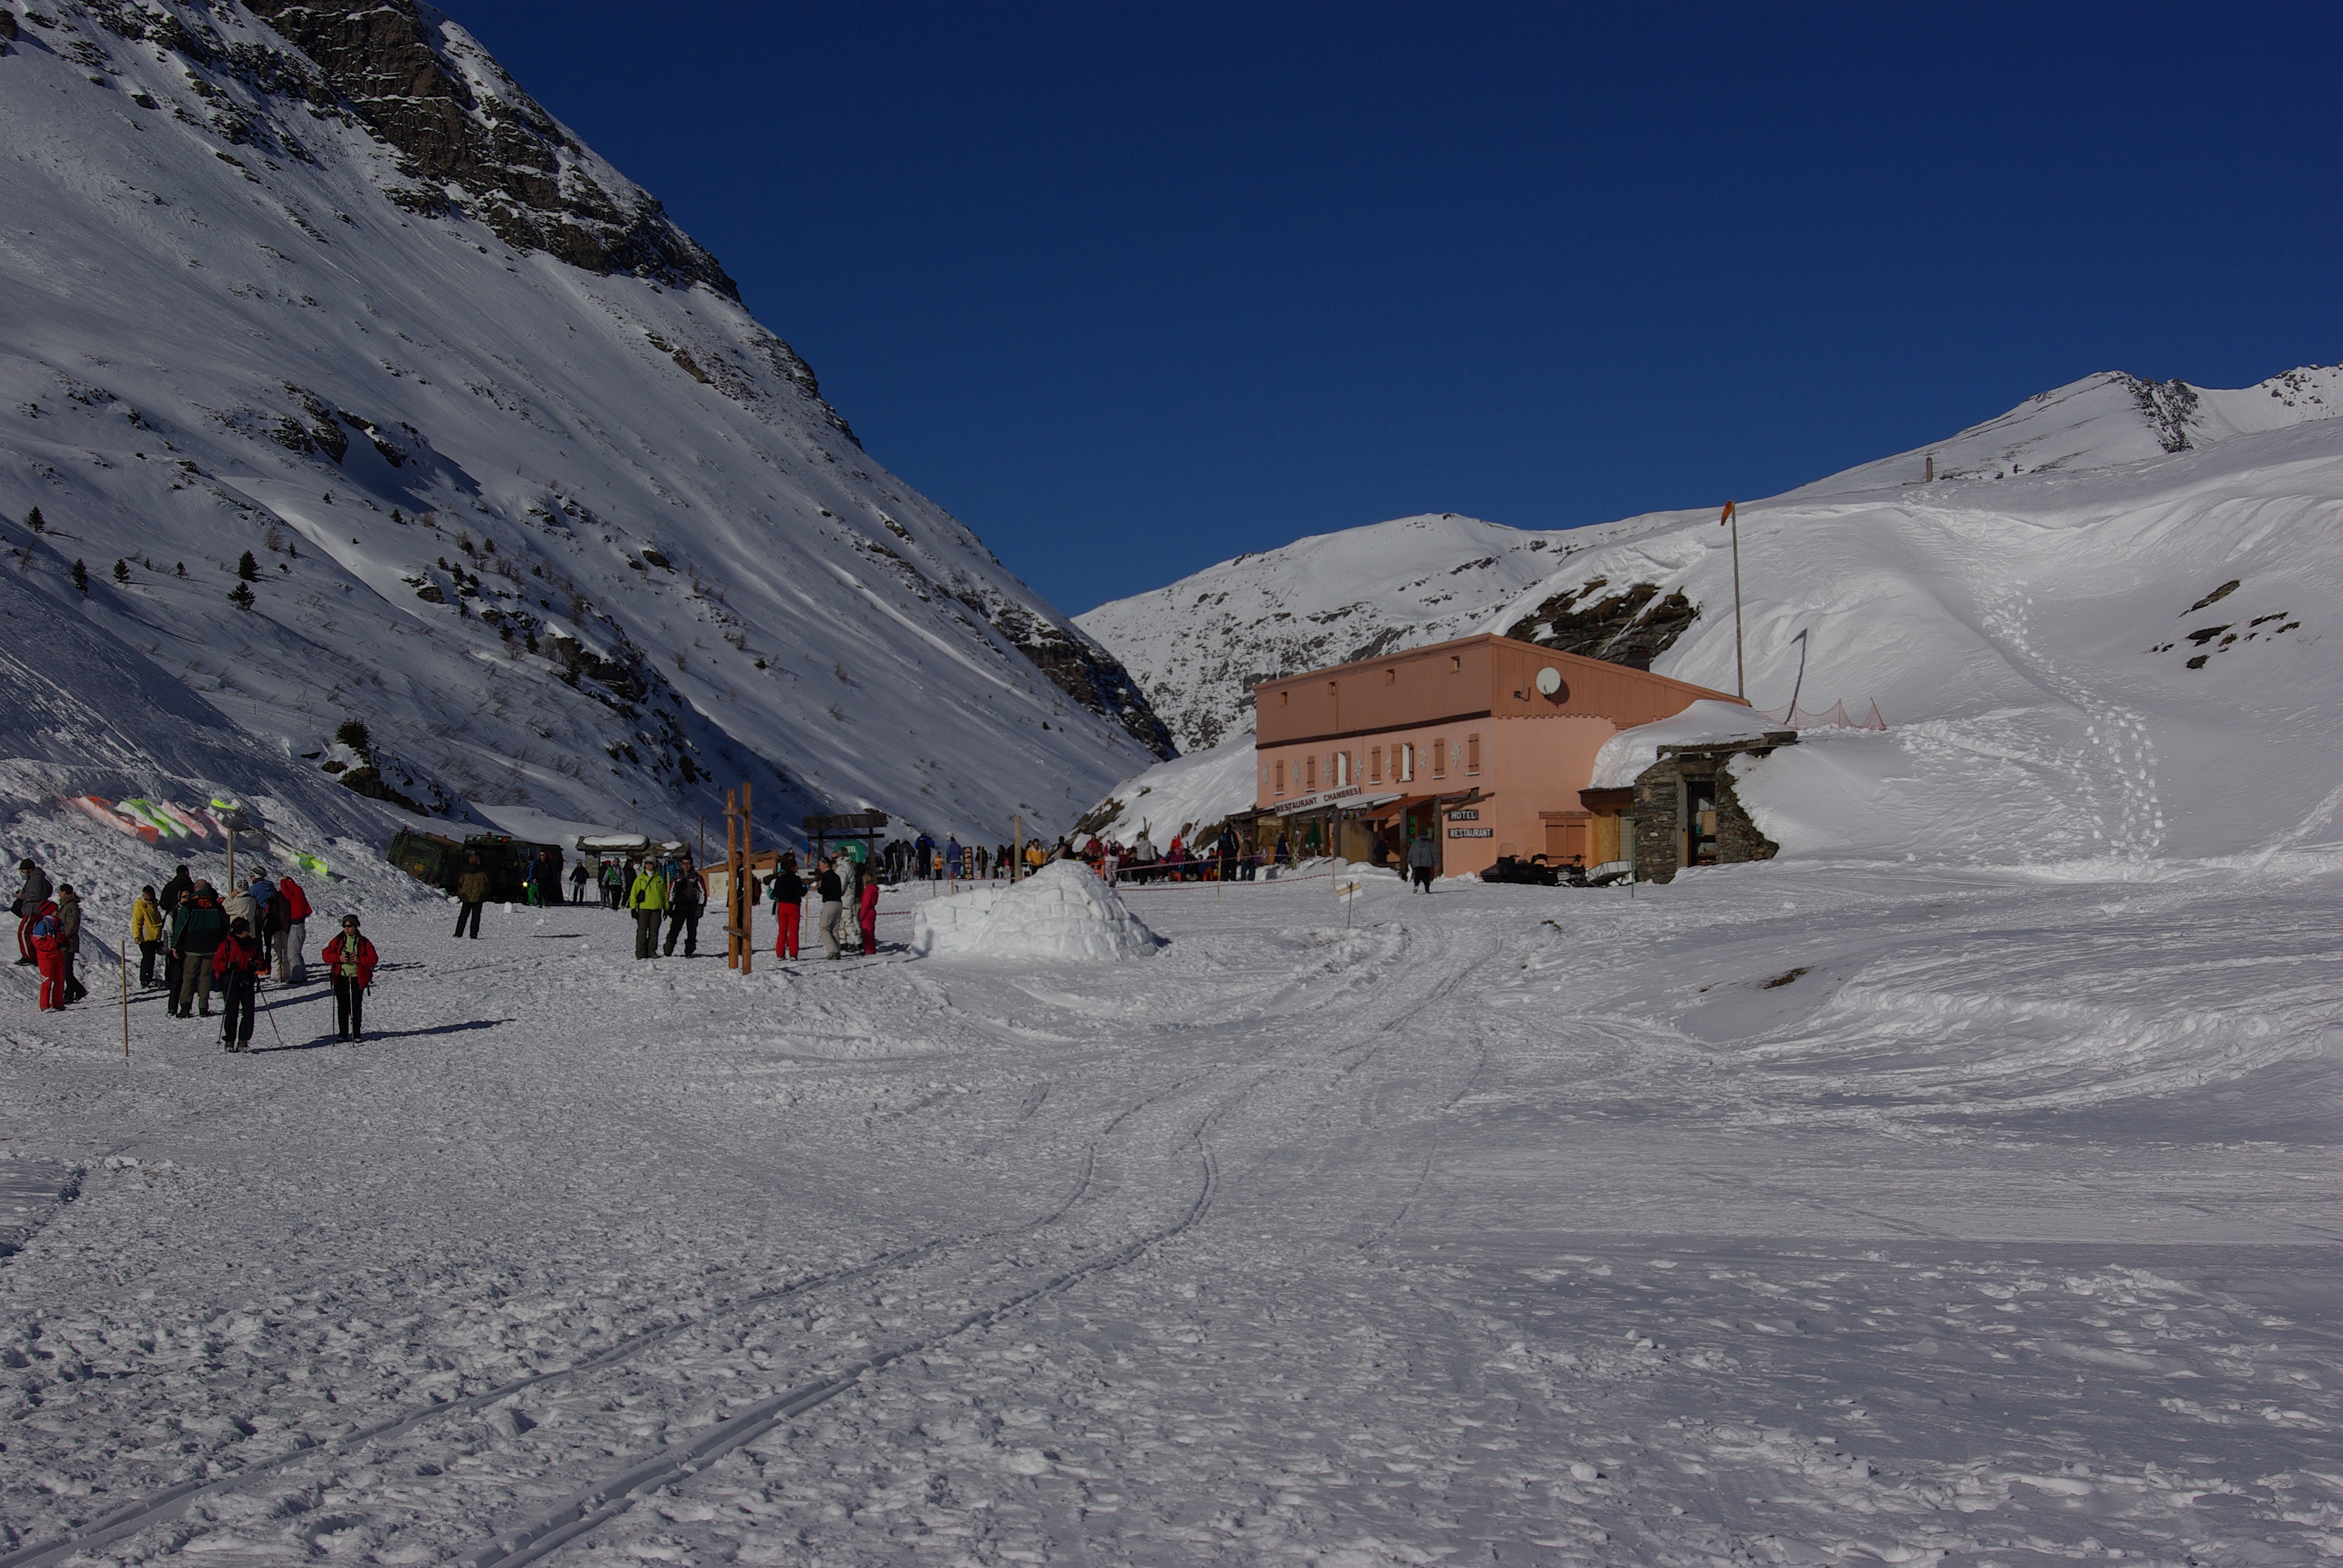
pixel 269 926
pixel 832 893
pixel 40 934
pixel 69 940
pixel 687 901
pixel 37 891
pixel 471 892
pixel 613 885
pixel 292 968
pixel 577 879
pixel 146 931
pixel 648 899
pixel 238 962
pixel 788 897
pixel 349 960
pixel 198 929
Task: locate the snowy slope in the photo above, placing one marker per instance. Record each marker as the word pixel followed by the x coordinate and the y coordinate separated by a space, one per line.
pixel 1176 798
pixel 530 492
pixel 2049 627
pixel 1197 647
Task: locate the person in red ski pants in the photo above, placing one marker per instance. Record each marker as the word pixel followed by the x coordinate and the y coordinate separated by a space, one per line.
pixel 789 896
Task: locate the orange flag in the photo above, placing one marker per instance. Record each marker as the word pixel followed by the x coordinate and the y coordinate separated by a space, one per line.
pixel 1728 514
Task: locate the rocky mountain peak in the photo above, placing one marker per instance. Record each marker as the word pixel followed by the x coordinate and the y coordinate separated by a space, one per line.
pixel 427 88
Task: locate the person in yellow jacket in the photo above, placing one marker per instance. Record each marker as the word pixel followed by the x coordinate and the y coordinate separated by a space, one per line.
pixel 648 899
pixel 146 931
pixel 471 892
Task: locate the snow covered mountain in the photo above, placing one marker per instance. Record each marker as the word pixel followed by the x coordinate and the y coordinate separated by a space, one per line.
pixel 1197 647
pixel 524 485
pixel 2095 633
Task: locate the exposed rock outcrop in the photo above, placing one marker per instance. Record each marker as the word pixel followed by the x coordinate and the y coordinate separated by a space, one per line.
pixel 457 119
pixel 1632 627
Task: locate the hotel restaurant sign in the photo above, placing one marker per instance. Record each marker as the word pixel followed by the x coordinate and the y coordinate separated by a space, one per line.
pixel 1349 798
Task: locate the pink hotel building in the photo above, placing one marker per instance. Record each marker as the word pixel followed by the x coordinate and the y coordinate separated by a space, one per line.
pixel 1485 742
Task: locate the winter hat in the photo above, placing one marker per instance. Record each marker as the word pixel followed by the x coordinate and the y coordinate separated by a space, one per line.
pixel 239 924
pixel 203 887
pixel 349 923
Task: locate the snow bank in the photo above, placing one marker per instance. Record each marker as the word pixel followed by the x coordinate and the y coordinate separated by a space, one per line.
pixel 1176 796
pixel 1061 912
pixel 1629 752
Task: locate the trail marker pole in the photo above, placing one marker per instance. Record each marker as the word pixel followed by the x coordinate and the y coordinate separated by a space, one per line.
pixel 1791 718
pixel 1017 867
pixel 743 885
pixel 1740 674
pixel 125 956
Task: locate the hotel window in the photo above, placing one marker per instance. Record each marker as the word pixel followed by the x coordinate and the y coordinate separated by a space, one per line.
pixel 1284 698
pixel 1471 754
pixel 1456 662
pixel 1375 764
pixel 1309 771
pixel 1281 778
pixel 1404 761
pixel 1440 759
pixel 1342 766
pixel 1390 676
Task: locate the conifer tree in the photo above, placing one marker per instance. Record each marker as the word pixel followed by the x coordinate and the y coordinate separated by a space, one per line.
pixel 81 575
pixel 122 571
pixel 240 595
pixel 34 521
pixel 246 568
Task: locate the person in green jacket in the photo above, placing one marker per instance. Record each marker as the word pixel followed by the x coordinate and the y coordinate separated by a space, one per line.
pixel 648 899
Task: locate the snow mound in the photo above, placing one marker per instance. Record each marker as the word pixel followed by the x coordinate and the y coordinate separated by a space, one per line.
pixel 1626 754
pixel 1060 913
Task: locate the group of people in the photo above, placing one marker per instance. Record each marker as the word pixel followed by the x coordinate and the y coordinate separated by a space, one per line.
pixel 845 891
pixel 202 940
pixel 674 892
pixel 924 859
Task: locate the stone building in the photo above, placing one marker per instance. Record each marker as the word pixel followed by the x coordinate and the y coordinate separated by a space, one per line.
pixel 1686 813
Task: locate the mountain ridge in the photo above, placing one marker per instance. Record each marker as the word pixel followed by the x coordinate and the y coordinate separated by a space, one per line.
pixel 1327 598
pixel 541 504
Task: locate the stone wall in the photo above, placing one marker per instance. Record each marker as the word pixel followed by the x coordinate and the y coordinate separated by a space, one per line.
pixel 1658 851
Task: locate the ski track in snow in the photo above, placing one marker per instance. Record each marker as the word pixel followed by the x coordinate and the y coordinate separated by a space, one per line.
pixel 1510 1225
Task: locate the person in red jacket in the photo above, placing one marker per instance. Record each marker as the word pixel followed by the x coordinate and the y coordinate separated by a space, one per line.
pixel 45 937
pixel 291 970
pixel 238 963
pixel 866 911
pixel 350 959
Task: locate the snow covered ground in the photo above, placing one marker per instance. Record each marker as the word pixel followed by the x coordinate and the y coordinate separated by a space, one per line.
pixel 1812 1211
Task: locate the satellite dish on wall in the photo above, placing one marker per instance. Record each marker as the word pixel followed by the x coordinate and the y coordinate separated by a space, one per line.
pixel 1549 683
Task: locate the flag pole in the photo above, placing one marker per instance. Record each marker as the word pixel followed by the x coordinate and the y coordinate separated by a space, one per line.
pixel 1740 673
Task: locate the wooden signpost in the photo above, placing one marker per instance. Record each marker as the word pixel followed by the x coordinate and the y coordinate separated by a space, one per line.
pixel 740 888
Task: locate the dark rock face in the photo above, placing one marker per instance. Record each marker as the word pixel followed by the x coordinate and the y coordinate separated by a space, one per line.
pixel 1632 627
pixel 1081 670
pixel 2169 407
pixel 524 176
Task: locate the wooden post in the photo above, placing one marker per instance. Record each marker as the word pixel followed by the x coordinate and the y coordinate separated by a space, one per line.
pixel 731 926
pixel 125 956
pixel 1017 866
pixel 744 887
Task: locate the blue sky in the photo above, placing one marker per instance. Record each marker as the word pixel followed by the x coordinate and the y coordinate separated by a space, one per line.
pixel 1133 288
